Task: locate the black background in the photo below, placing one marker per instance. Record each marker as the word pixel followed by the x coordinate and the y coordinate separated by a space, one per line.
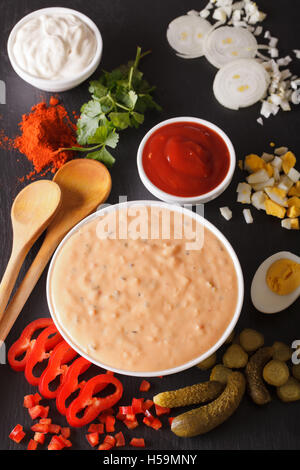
pixel 183 88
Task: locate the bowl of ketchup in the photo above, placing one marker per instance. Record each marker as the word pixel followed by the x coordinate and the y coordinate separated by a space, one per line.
pixel 186 160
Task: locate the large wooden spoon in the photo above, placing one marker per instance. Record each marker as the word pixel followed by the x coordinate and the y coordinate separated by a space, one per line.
pixel 32 211
pixel 84 185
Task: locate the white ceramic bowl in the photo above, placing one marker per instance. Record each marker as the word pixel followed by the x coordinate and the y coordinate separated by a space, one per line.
pixel 153 189
pixel 186 365
pixel 56 85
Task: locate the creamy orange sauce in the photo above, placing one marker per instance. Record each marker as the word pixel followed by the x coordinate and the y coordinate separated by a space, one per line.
pixel 143 304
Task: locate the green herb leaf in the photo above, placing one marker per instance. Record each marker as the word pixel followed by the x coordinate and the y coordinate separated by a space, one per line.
pixel 102 156
pixel 120 120
pixel 120 99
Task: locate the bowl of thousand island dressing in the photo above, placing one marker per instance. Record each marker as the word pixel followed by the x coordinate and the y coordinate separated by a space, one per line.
pixel 145 288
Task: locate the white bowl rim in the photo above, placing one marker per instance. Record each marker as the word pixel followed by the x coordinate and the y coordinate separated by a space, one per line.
pixel 186 365
pixel 156 191
pixel 64 81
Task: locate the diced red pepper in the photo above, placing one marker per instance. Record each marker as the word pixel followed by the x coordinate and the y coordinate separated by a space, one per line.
pixel 91 404
pixel 147 421
pixel 24 343
pixel 110 440
pixel 147 405
pixel 120 440
pixel 130 417
pixel 110 423
pixel 66 432
pixel 39 437
pixel 39 352
pixel 32 400
pixel 156 424
pixel 170 421
pixel 54 428
pixel 32 445
pixel 99 428
pixel 17 434
pixel 65 441
pixel 137 405
pixel 61 355
pixel 93 438
pixel 71 383
pixel 102 417
pixel 56 443
pixel 145 386
pixel 120 416
pixel 125 410
pixel 38 411
pixel 135 442
pixel 104 446
pixel 43 428
pixel 131 424
pixel 161 410
pixel 45 421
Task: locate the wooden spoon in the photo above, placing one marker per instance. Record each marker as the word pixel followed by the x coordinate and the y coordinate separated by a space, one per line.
pixel 32 211
pixel 84 185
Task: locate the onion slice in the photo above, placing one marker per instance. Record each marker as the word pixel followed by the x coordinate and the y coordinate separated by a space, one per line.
pixel 240 83
pixel 186 35
pixel 228 43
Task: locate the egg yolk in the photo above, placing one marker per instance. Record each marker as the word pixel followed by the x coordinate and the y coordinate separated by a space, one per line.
pixel 283 276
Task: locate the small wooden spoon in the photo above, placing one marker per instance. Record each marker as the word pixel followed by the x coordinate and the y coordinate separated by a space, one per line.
pixel 84 185
pixel 32 211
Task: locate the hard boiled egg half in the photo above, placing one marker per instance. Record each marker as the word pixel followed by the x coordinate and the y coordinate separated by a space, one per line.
pixel 276 283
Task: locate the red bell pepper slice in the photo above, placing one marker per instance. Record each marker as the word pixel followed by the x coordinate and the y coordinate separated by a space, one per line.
pixel 70 383
pixel 137 405
pixel 32 445
pixel 61 355
pixel 91 405
pixel 131 424
pixel 110 423
pixel 56 443
pixel 24 344
pixel 32 400
pixel 17 434
pixel 135 442
pixel 38 411
pixel 66 432
pixel 39 352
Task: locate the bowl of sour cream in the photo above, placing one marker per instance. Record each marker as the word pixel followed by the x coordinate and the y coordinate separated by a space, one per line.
pixel 55 49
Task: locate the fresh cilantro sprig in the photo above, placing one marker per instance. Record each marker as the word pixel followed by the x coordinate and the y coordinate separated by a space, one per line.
pixel 119 100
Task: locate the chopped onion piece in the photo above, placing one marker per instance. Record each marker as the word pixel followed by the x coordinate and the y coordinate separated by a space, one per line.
pixel 258 30
pixel 186 34
pixel 265 184
pixel 280 151
pixel 260 176
pixel 260 121
pixel 297 53
pixel 226 213
pixel 258 200
pixel 295 98
pixel 227 43
pixel 294 175
pixel 284 61
pixel 204 13
pixel 267 157
pixel 273 42
pixel 220 15
pixel 240 83
pixel 248 216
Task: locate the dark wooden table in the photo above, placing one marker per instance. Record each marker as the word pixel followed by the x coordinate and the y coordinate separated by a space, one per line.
pixel 183 88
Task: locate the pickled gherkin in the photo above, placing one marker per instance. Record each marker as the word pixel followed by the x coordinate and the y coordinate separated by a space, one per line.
pixel 290 391
pixel 256 387
pixel 235 357
pixel 276 373
pixel 220 373
pixel 208 362
pixel 251 340
pixel 204 419
pixel 198 393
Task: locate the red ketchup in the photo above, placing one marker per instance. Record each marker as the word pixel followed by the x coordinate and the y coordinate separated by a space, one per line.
pixel 185 159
